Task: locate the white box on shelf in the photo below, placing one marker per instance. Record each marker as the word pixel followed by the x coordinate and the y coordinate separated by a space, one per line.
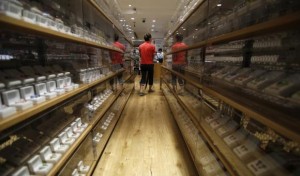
pixel 76 173
pixel 57 147
pixel 51 87
pixel 28 94
pixel 6 111
pixel 11 8
pixel 82 168
pixel 80 124
pixel 23 171
pixel 60 84
pixel 29 16
pixel 75 128
pixel 41 90
pixel 48 156
pixel 71 134
pixel 12 98
pixel 37 166
pixel 68 83
pixel 64 139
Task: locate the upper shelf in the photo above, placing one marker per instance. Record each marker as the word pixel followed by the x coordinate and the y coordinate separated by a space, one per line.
pixel 26 114
pixel 283 120
pixel 109 19
pixel 9 23
pixel 284 22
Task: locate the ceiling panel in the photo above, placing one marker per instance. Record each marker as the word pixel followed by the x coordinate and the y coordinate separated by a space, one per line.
pixel 159 10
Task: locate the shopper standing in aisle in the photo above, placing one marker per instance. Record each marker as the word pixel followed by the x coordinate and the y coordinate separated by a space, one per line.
pixel 147 53
pixel 178 63
pixel 117 61
pixel 160 55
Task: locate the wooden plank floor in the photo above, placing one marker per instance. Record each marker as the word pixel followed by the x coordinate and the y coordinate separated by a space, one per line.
pixel 146 142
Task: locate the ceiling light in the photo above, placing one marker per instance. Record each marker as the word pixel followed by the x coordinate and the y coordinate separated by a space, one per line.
pixel 129 5
pixel 153 21
pixel 196 29
pixel 152 29
pixel 132 18
pixel 184 29
pixel 219 4
pixel 132 37
pixel 153 25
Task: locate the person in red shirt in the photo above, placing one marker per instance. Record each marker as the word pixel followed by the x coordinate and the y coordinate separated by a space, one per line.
pixel 178 62
pixel 117 62
pixel 147 53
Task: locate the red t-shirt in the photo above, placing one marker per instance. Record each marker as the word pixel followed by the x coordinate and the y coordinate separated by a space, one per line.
pixel 147 51
pixel 116 57
pixel 179 58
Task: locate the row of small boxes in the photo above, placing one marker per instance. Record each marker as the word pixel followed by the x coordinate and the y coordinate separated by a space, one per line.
pixel 27 96
pixel 42 163
pixel 33 15
pixel 276 83
pixel 243 145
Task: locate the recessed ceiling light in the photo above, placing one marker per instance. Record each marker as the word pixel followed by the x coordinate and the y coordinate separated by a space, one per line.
pixel 132 37
pixel 129 5
pixel 184 29
pixel 196 29
pixel 153 25
pixel 132 18
pixel 152 29
pixel 153 21
pixel 219 4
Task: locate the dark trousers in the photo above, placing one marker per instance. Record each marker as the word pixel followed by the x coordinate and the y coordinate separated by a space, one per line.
pixel 180 69
pixel 147 74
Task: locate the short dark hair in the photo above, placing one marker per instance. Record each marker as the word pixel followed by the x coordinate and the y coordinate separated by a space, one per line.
pixel 159 49
pixel 179 37
pixel 147 37
pixel 116 37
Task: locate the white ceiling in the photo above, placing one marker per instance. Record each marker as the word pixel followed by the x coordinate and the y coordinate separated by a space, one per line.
pixel 159 10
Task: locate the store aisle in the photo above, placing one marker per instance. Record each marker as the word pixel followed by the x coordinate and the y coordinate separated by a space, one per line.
pixel 146 142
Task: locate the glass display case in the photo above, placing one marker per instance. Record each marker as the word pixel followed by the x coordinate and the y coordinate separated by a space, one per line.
pixel 240 85
pixel 55 84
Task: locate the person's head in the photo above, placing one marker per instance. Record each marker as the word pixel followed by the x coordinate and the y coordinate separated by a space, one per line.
pixel 178 37
pixel 116 37
pixel 147 37
pixel 159 50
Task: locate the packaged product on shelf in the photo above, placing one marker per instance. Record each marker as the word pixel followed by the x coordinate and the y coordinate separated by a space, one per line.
pixel 227 129
pixel 265 80
pixel 214 116
pixel 21 171
pixel 38 167
pixel 244 79
pixel 263 166
pixel 236 138
pixel 29 95
pixel 207 159
pixel 213 169
pixel 48 156
pixel 232 76
pixel 6 111
pixel 13 98
pixel 246 150
pixel 285 86
pixel 219 122
pixel 11 8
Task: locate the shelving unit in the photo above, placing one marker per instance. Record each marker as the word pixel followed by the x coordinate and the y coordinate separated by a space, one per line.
pixel 12 24
pixel 257 112
pixel 8 122
pixel 58 48
pixel 284 22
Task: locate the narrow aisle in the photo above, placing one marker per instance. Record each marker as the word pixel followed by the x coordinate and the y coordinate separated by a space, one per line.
pixel 146 141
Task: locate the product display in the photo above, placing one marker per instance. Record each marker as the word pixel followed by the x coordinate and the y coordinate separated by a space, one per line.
pixel 13 98
pixel 49 157
pixel 36 166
